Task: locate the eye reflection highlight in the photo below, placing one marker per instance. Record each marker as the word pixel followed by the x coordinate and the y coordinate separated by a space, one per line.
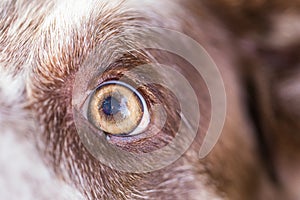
pixel 117 108
pixel 111 106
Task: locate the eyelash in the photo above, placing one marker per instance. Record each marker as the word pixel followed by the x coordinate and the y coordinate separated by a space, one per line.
pixel 161 129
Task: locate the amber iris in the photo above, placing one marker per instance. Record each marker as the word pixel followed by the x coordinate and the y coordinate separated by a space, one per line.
pixel 115 108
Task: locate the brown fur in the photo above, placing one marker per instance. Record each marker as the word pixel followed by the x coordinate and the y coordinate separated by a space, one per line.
pixel 253 158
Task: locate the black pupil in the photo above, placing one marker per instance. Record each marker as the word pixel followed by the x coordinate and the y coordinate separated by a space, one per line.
pixel 111 106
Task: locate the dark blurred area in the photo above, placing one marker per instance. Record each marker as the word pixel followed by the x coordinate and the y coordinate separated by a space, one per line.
pixel 266 34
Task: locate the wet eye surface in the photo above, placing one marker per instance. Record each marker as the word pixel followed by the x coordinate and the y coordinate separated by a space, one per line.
pixel 129 106
pixel 118 109
pixel 112 106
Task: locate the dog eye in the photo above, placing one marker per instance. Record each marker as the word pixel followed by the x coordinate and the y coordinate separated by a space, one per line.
pixel 128 105
pixel 118 109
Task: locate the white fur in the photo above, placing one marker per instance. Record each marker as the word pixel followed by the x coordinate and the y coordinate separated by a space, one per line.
pixel 23 174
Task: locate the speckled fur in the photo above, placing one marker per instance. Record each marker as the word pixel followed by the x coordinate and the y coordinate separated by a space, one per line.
pixel 44 44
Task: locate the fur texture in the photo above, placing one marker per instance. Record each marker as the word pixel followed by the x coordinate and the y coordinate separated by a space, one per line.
pixel 44 44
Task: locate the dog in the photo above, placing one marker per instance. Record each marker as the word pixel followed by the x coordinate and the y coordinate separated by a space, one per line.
pixel 51 49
